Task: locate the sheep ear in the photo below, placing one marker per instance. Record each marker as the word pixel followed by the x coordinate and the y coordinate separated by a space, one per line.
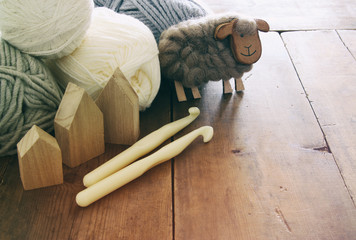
pixel 223 30
pixel 262 25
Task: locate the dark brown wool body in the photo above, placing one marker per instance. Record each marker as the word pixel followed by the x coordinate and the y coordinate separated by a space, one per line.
pixel 189 52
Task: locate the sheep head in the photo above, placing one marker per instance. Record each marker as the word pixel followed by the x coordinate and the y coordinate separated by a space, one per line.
pixel 245 44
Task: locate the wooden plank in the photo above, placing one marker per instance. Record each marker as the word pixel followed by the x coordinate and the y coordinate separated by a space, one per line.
pixel 264 175
pixel 294 14
pixel 349 39
pixel 141 209
pixel 331 90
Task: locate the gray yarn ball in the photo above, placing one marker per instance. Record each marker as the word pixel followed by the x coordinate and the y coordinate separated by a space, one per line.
pixel 28 96
pixel 189 52
pixel 158 15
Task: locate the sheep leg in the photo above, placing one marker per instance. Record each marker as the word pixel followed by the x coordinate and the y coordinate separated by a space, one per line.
pixel 180 91
pixel 239 85
pixel 227 86
pixel 195 92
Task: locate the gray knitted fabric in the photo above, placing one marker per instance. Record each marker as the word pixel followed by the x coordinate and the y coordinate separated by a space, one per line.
pixel 158 15
pixel 28 95
pixel 189 52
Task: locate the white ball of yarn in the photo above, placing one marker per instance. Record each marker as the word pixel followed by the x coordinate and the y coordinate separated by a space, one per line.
pixel 49 29
pixel 113 40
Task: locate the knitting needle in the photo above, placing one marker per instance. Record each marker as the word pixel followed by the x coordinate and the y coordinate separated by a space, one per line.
pixel 140 148
pixel 136 169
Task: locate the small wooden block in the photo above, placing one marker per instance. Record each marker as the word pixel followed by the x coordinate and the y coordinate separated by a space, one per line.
pixel 227 87
pixel 79 127
pixel 180 91
pixel 196 93
pixel 239 85
pixel 120 106
pixel 40 160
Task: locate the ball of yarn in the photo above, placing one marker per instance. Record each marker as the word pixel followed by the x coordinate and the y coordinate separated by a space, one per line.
pixel 28 95
pixel 113 40
pixel 49 29
pixel 158 15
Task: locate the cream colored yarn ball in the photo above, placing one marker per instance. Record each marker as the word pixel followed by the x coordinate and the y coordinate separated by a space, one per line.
pixel 48 29
pixel 113 40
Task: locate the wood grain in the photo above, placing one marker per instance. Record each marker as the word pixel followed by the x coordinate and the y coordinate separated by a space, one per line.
pixel 119 104
pixel 265 174
pixel 294 14
pixel 142 209
pixel 180 91
pixel 348 37
pixel 40 159
pixel 79 127
pixel 331 90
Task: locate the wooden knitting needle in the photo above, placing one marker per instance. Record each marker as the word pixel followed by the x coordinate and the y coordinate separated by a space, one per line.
pixel 140 148
pixel 136 169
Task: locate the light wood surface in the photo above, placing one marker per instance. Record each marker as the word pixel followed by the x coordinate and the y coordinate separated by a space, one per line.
pixel 180 91
pixel 331 91
pixel 239 85
pixel 119 105
pixel 285 15
pixel 40 160
pixel 79 127
pixel 195 93
pixel 348 38
pixel 281 164
pixel 227 87
pixel 266 174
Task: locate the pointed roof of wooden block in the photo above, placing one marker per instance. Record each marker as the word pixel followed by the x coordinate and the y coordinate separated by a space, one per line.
pixel 119 81
pixel 33 136
pixel 72 99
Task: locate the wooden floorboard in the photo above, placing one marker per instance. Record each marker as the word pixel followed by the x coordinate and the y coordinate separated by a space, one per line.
pixel 141 208
pixel 331 89
pixel 349 39
pixel 281 164
pixel 267 174
pixel 294 14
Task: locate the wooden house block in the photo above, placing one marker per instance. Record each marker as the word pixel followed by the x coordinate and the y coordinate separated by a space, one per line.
pixel 79 127
pixel 40 159
pixel 119 104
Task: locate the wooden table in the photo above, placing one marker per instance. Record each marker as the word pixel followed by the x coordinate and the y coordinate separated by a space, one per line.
pixel 281 165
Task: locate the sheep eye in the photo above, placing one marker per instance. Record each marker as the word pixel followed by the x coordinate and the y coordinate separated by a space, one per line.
pixel 241 35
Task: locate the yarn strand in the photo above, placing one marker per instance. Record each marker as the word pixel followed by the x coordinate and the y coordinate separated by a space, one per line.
pixel 49 29
pixel 158 15
pixel 29 95
pixel 113 41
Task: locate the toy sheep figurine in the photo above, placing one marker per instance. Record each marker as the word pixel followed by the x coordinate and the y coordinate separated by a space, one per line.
pixel 196 51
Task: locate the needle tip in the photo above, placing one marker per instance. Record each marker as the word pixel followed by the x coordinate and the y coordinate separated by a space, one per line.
pixel 194 111
pixel 207 133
